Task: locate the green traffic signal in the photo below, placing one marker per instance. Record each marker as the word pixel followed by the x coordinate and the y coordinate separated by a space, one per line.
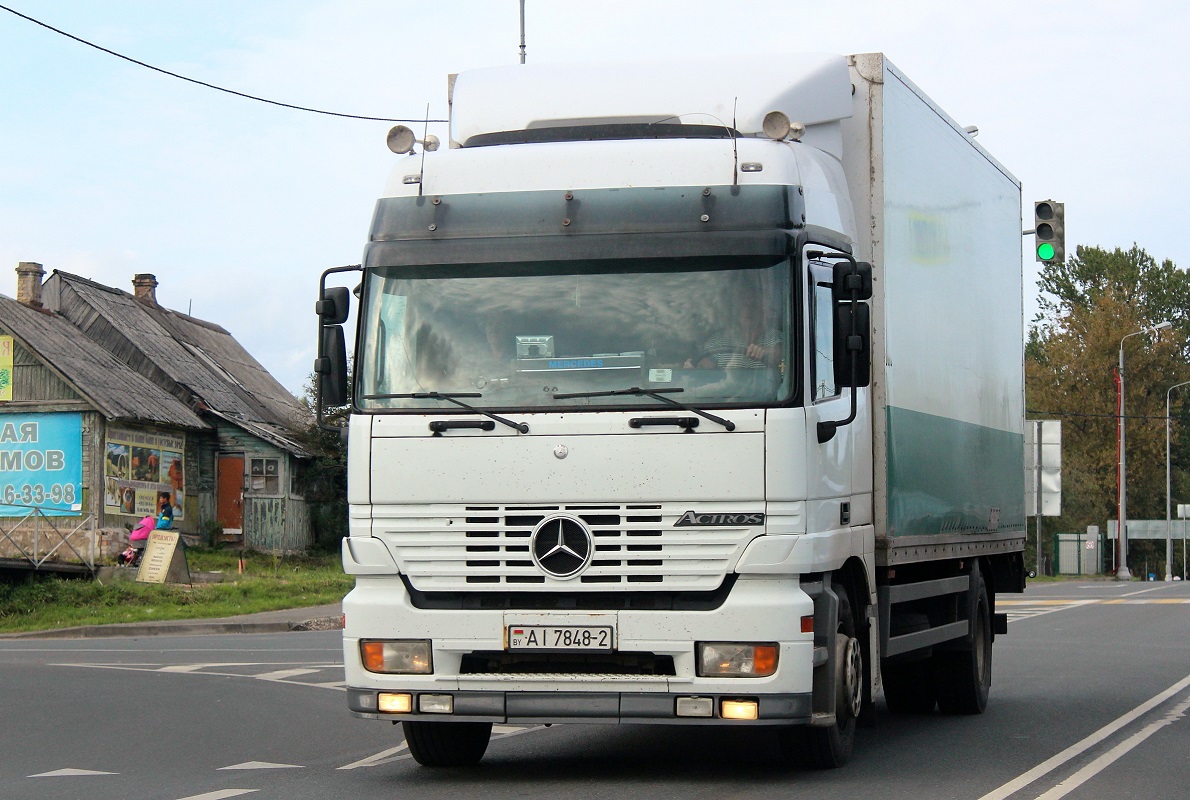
pixel 1049 243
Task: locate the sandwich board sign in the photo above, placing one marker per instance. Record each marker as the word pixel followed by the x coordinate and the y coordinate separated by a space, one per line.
pixel 164 561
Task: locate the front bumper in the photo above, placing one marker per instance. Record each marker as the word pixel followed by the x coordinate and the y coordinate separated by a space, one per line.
pixel 607 707
pixel 758 608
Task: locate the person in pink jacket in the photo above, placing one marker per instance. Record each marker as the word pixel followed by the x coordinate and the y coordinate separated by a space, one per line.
pixel 139 538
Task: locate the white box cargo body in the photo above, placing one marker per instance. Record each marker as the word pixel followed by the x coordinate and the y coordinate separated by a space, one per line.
pixel 683 394
pixel 941 217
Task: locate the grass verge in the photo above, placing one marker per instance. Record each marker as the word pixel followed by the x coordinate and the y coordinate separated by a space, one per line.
pixel 268 583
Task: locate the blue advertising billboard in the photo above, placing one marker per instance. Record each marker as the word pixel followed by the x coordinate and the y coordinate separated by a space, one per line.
pixel 41 464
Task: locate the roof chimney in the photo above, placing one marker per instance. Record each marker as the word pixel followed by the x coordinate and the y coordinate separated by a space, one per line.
pixel 29 283
pixel 144 288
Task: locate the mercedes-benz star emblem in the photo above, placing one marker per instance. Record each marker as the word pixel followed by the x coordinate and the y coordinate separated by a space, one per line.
pixel 562 546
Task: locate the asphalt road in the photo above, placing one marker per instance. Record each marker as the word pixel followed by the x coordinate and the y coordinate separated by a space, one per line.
pixel 1090 700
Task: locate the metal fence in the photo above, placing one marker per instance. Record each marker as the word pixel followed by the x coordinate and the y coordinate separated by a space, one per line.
pixel 42 540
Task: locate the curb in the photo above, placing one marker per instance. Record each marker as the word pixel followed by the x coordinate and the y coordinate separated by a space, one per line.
pixel 180 628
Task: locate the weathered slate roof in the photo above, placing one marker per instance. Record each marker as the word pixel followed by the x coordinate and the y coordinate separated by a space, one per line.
pixel 199 361
pixel 114 389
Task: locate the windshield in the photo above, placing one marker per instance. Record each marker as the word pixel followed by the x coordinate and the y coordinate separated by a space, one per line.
pixel 514 336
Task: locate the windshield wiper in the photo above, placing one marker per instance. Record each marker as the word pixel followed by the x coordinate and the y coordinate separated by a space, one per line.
pixel 656 394
pixel 451 397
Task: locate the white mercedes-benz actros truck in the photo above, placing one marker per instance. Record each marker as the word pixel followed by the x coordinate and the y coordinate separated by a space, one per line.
pixel 682 394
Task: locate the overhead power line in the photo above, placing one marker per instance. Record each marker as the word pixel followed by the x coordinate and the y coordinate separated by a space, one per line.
pixel 204 83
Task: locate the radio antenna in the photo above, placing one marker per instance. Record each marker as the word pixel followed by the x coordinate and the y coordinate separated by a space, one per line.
pixel 522 31
pixel 735 149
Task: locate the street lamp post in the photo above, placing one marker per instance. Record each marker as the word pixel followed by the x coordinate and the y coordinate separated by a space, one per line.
pixel 1168 498
pixel 1122 573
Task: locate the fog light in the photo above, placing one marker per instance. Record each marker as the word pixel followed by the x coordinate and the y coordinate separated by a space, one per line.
pixel 737 659
pixel 411 657
pixel 738 709
pixel 395 703
pixel 435 703
pixel 696 707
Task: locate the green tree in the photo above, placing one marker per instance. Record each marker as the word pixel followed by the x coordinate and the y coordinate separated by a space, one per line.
pixel 325 480
pixel 1090 303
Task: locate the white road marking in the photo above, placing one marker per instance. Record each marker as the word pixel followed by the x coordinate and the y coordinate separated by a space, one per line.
pixel 263 765
pixel 1049 765
pixel 1143 591
pixel 1018 609
pixel 1026 609
pixel 273 676
pixel 282 674
pixel 70 772
pixel 220 794
pixel 1111 756
pixel 380 758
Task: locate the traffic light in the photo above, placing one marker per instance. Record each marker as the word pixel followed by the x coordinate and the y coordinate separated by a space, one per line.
pixel 1049 226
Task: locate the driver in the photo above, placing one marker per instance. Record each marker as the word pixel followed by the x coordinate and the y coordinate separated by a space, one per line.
pixel 746 341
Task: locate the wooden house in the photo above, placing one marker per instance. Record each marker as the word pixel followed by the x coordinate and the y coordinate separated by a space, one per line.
pixel 171 407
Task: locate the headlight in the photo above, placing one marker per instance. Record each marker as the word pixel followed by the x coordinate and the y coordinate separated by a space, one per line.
pixel 737 659
pixel 411 657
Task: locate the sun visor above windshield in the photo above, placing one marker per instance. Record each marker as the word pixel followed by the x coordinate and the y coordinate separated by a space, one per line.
pixel 613 249
pixel 587 224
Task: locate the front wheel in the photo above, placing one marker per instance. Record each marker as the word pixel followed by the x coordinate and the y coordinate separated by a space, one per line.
pixel 447 744
pixel 830 747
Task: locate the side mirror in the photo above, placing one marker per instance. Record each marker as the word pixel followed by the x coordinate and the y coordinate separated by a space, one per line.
pixel 331 366
pixel 853 345
pixel 331 386
pixel 847 279
pixel 334 307
pixel 851 284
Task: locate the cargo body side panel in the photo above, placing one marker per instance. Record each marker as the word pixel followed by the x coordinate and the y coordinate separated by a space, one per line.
pixel 938 216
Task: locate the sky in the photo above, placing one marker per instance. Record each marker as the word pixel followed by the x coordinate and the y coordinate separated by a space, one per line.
pixel 108 169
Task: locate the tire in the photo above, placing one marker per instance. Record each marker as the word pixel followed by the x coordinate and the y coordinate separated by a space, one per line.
pixel 964 677
pixel 830 747
pixel 909 688
pixel 447 744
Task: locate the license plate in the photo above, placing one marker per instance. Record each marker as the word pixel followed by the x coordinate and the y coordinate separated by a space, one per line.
pixel 574 637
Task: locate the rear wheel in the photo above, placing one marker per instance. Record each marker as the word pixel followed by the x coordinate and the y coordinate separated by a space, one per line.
pixel 964 677
pixel 447 744
pixel 831 746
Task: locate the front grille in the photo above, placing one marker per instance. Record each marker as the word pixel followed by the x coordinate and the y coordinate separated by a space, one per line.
pixel 604 664
pixel 636 548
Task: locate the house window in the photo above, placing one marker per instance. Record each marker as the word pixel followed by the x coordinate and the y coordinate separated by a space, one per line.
pixel 297 478
pixel 266 476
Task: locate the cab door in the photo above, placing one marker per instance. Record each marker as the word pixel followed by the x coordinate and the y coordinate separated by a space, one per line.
pixel 830 464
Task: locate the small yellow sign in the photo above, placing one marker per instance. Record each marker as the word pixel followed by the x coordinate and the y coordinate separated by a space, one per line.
pixel 163 561
pixel 5 368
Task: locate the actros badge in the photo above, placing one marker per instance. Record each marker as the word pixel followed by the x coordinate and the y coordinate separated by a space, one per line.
pixel 693 519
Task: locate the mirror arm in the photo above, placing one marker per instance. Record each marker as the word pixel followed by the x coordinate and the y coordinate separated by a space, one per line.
pixel 827 428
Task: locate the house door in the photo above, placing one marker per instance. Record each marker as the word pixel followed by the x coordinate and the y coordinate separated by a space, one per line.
pixel 229 500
